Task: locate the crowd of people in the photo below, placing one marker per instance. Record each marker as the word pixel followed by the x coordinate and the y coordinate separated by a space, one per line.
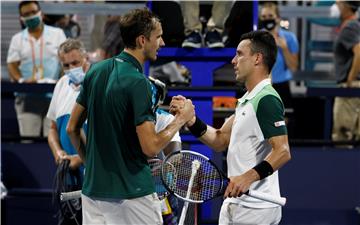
pixel 104 116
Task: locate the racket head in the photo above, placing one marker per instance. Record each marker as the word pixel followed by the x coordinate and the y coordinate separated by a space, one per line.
pixel 155 167
pixel 176 171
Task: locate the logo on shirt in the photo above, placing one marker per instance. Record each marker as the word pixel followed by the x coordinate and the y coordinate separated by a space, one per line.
pixel 279 123
pixel 243 113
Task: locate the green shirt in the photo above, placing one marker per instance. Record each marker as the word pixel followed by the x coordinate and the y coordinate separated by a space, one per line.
pixel 117 97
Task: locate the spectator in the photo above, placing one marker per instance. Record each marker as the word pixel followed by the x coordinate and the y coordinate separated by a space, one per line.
pixel 287 59
pixel 32 57
pixel 74 62
pixel 215 25
pixel 347 69
pixel 66 22
pixel 112 43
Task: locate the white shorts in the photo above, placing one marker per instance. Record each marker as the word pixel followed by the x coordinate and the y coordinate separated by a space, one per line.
pixel 237 214
pixel 143 210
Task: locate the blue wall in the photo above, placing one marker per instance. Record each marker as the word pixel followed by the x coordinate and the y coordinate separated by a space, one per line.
pixel 322 186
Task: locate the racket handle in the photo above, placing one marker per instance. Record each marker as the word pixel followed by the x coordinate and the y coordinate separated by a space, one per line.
pixel 183 213
pixel 267 197
pixel 66 196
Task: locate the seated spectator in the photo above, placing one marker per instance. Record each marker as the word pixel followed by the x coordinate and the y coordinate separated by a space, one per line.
pixel 215 25
pixel 32 57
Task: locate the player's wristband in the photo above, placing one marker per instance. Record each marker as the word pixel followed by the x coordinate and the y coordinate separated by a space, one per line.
pixel 199 128
pixel 264 169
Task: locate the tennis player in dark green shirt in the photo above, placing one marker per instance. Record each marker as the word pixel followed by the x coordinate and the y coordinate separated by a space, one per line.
pixel 116 100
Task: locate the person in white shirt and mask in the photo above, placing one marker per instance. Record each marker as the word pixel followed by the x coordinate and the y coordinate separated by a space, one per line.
pixel 74 61
pixel 32 58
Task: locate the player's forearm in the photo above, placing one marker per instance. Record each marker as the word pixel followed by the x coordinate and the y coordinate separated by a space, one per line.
pixel 163 138
pixel 215 139
pixel 74 134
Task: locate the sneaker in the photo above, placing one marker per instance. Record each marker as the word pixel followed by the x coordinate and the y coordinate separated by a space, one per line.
pixel 213 39
pixel 193 40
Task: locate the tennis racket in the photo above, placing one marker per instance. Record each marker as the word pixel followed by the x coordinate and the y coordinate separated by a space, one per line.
pixel 206 183
pixel 155 166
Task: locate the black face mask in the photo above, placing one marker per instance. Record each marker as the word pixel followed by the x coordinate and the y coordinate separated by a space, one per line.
pixel 267 24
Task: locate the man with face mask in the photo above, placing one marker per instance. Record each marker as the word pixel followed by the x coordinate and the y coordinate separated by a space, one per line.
pixel 73 58
pixel 347 70
pixel 287 59
pixel 32 57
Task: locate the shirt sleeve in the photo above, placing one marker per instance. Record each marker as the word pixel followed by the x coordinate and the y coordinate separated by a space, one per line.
pixel 140 97
pixel 270 114
pixel 14 50
pixel 54 102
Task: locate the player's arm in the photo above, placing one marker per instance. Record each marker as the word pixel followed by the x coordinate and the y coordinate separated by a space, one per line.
pixel 280 152
pixel 217 139
pixel 152 142
pixel 77 119
pixel 173 146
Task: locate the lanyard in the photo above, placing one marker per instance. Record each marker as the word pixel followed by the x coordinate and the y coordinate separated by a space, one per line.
pixel 38 71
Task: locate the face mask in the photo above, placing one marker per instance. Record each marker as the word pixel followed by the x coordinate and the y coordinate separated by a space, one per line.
pixel 268 24
pixel 32 21
pixel 76 75
pixel 334 11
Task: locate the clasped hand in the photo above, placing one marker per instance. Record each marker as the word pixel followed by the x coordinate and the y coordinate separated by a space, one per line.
pixel 183 108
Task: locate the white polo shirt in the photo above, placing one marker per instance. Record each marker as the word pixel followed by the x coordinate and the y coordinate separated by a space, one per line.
pixel 20 50
pixel 259 116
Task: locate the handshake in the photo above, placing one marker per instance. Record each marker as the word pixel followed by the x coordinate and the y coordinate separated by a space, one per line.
pixel 183 110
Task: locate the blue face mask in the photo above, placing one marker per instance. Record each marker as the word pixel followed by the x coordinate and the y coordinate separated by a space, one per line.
pixel 76 75
pixel 32 21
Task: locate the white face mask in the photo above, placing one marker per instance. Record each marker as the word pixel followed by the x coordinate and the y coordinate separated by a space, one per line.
pixel 334 11
pixel 76 75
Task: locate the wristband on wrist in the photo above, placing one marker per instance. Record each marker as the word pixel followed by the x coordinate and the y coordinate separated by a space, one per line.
pixel 199 128
pixel 21 80
pixel 264 169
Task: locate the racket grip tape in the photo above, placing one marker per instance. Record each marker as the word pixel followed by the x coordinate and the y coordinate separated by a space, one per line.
pixel 66 196
pixel 267 197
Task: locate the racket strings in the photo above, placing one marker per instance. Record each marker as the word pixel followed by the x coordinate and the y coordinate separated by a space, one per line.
pixel 207 181
pixel 155 166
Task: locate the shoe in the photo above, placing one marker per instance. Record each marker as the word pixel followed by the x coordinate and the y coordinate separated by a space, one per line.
pixel 193 40
pixel 213 39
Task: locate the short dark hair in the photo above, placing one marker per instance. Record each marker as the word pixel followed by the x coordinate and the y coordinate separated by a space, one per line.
pixel 354 5
pixel 135 23
pixel 264 43
pixel 22 3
